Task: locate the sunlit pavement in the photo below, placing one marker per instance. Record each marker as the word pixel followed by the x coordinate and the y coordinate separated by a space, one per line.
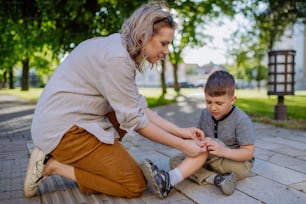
pixel 279 169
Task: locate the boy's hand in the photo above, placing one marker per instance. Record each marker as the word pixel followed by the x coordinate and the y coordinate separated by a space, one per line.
pixel 214 147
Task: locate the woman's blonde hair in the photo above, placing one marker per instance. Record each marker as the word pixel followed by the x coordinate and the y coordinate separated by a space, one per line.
pixel 137 30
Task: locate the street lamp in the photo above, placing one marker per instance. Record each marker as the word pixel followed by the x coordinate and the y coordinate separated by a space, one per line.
pixel 281 79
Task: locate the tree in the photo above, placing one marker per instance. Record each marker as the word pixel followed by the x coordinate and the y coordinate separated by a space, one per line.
pixel 56 25
pixel 267 22
pixel 163 78
pixel 61 25
pixel 24 21
pixel 7 55
pixel 70 22
pixel 271 19
pixel 192 17
pixel 272 24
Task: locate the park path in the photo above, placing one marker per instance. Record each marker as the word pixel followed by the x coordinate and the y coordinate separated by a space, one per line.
pixel 279 169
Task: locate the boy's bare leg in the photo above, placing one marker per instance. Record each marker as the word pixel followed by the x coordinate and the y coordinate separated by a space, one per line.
pixel 191 164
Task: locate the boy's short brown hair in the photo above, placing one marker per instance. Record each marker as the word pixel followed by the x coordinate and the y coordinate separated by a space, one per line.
pixel 220 83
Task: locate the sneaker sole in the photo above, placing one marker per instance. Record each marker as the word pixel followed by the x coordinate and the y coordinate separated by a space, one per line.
pixel 30 187
pixel 147 171
pixel 229 185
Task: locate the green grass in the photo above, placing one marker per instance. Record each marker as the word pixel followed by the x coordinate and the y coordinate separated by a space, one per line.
pixel 259 103
pixel 154 97
pixel 255 103
pixel 260 107
pixel 31 95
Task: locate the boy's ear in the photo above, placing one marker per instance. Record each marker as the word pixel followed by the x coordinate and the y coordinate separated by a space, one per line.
pixel 234 98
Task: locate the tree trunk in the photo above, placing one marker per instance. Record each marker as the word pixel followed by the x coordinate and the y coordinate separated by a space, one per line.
pixel 3 82
pixel 11 78
pixel 258 77
pixel 25 75
pixel 175 77
pixel 163 78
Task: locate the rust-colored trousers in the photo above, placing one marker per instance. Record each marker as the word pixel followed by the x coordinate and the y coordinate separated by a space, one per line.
pixel 100 167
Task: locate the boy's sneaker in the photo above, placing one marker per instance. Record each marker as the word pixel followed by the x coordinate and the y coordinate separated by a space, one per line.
pixel 159 180
pixel 35 168
pixel 226 183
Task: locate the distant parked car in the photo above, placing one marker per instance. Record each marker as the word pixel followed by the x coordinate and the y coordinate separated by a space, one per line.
pixel 183 84
pixel 170 84
pixel 186 84
pixel 199 85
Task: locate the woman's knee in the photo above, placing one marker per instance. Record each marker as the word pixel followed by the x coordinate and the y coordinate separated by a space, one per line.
pixel 135 189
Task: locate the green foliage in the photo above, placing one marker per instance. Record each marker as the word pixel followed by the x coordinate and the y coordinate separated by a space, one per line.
pixel 154 102
pixel 268 21
pixel 260 72
pixel 28 27
pixel 275 19
pixel 191 70
pixel 192 17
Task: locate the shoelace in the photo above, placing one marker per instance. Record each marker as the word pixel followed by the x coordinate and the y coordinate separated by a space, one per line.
pixel 38 164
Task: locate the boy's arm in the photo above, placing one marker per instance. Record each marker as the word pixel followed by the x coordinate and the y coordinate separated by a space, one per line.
pixel 244 153
pixel 245 134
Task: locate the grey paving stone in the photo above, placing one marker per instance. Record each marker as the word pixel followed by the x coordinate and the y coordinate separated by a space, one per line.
pixel 299 168
pixel 277 173
pixel 280 163
pixel 302 157
pixel 280 148
pixel 269 191
pixel 210 194
pixel 288 142
pixel 279 159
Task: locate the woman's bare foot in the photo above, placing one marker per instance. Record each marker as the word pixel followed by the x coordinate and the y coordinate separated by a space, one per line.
pixel 54 167
pixel 49 167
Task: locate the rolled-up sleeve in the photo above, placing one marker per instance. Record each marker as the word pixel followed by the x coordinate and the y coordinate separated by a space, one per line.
pixel 116 82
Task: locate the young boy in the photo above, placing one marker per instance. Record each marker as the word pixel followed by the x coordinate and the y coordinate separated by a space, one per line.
pixel 229 138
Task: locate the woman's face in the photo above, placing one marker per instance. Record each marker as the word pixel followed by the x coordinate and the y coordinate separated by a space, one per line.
pixel 157 46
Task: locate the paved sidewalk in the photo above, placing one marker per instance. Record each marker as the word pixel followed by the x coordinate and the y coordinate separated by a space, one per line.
pixel 280 165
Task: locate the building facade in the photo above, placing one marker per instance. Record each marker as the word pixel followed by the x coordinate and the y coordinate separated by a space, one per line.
pixel 295 39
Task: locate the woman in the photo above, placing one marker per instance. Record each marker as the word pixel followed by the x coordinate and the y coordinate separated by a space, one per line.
pixel 92 99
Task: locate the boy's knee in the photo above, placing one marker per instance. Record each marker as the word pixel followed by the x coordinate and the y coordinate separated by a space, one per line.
pixel 241 169
pixel 176 160
pixel 241 174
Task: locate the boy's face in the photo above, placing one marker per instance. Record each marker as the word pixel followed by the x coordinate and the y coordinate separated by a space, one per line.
pixel 219 106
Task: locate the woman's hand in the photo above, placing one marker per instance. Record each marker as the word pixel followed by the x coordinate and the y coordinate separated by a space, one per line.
pixel 192 148
pixel 191 133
